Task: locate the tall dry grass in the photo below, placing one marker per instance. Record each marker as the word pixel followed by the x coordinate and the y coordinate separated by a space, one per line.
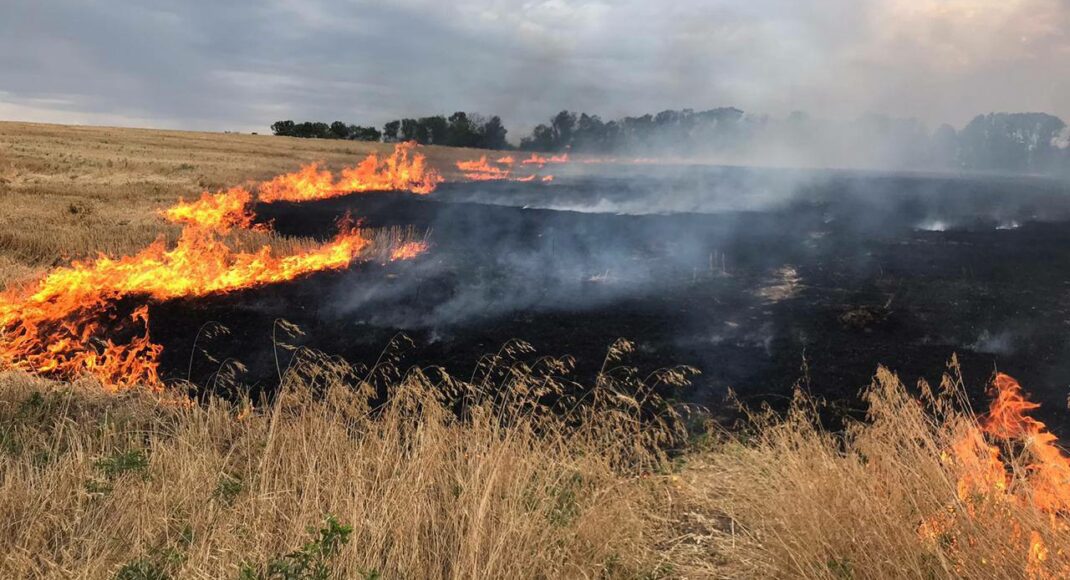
pixel 512 473
pixel 879 500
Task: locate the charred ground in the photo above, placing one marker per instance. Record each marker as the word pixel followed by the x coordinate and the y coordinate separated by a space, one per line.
pixel 744 274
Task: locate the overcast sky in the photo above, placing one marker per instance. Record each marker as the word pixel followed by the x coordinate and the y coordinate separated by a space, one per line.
pixel 217 64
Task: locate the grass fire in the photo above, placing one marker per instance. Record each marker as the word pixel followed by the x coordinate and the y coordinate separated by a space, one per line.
pixel 811 323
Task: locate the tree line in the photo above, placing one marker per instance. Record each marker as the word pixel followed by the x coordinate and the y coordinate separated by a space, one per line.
pixel 1007 142
pixel 458 130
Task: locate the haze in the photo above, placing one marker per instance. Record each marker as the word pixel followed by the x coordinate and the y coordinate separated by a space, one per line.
pixel 211 65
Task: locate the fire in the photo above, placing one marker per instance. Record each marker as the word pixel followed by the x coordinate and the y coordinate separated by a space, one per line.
pixel 482 171
pixel 408 251
pixel 55 327
pixel 1049 471
pixel 506 160
pixel 71 321
pixel 985 480
pixel 540 160
pixel 215 211
pixel 402 170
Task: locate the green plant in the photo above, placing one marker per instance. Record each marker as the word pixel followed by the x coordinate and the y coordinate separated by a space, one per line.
pixel 311 561
pixel 228 488
pixel 143 569
pixel 131 461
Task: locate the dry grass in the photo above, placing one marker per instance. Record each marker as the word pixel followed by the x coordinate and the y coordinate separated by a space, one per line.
pixel 497 476
pixel 877 501
pixel 502 476
pixel 71 192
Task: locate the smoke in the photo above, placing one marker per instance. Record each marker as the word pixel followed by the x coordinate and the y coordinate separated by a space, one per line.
pixel 628 236
pixel 1062 141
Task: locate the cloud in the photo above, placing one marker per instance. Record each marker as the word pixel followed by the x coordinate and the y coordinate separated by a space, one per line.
pixel 220 65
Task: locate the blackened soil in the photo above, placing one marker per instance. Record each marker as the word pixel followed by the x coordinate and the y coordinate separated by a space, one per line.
pixel 842 272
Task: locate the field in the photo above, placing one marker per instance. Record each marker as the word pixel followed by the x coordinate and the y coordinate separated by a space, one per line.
pixel 376 464
pixel 71 192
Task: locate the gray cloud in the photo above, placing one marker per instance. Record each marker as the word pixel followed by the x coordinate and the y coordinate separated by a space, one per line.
pixel 217 65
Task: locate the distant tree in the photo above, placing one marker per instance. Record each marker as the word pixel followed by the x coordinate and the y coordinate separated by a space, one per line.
pixel 357 133
pixel 492 134
pixel 410 129
pixel 1011 142
pixel 563 124
pixel 590 134
pixel 284 128
pixel 339 130
pixel 312 130
pixel 541 139
pixel 390 131
pixel 434 130
pixel 462 131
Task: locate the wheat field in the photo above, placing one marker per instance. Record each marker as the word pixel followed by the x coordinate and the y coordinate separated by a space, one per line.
pixel 71 192
pixel 514 472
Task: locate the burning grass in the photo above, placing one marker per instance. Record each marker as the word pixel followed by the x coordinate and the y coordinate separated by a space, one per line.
pixel 505 475
pixel 72 192
pixel 922 489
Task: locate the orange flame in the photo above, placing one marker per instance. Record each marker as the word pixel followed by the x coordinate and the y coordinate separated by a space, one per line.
pixel 67 324
pixel 540 160
pixel 402 170
pixel 984 477
pixel 215 211
pixel 506 160
pixel 480 170
pixel 408 251
pixel 54 327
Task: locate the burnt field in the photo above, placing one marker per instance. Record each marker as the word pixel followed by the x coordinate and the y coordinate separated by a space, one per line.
pixel 744 274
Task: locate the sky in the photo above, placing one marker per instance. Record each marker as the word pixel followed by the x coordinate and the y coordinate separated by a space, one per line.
pixel 227 65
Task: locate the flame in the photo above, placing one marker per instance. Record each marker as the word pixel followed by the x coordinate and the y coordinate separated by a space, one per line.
pixel 1049 471
pixel 985 480
pixel 402 170
pixel 215 211
pixel 70 322
pixel 54 327
pixel 408 251
pixel 539 160
pixel 480 170
pixel 506 160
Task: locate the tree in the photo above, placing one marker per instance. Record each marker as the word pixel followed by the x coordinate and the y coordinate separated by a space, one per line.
pixel 434 130
pixel 563 123
pixel 357 133
pixel 339 130
pixel 1011 142
pixel 283 128
pixel 542 139
pixel 462 132
pixel 493 134
pixel 409 129
pixel 390 131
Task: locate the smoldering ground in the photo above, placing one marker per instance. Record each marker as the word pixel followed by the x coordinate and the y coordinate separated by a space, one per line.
pixel 834 268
